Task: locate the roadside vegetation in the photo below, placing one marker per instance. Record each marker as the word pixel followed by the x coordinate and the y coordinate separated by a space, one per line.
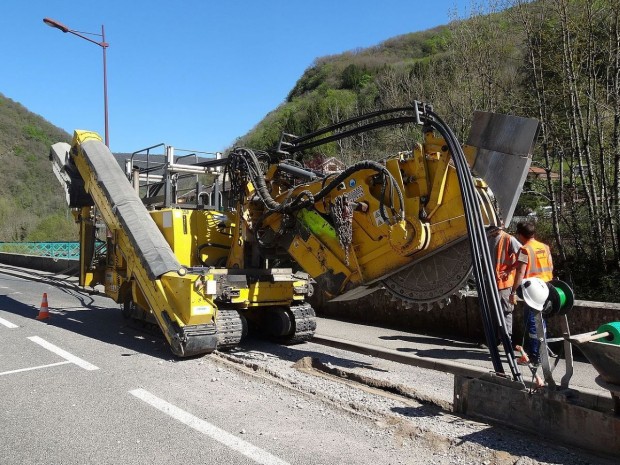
pixel 32 204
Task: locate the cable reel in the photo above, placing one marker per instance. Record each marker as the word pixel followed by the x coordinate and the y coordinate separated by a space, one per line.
pixel 561 298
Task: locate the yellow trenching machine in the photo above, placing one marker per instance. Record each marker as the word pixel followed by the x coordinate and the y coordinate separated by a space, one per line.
pixel 207 273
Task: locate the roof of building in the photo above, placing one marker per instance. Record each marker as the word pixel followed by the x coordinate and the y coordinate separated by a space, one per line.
pixel 540 173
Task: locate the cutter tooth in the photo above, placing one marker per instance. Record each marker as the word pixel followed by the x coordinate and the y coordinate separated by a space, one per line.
pixel 446 271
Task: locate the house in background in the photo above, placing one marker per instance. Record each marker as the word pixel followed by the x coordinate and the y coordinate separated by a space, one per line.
pixel 535 173
pixel 325 166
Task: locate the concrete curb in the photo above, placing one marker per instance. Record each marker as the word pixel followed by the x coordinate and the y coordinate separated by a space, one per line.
pixel 446 366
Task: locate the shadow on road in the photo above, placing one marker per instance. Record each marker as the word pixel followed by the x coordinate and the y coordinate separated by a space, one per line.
pixel 97 321
pixel 432 340
pixel 439 348
pixel 530 446
pixel 448 354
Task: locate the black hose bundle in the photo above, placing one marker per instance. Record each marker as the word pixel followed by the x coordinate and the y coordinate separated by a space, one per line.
pixel 488 294
pixel 243 165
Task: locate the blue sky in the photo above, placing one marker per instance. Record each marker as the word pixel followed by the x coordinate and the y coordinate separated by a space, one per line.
pixel 193 74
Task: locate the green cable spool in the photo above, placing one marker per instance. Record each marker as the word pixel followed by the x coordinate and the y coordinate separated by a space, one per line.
pixel 561 298
pixel 613 329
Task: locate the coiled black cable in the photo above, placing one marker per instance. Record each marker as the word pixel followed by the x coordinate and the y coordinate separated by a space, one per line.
pixel 243 162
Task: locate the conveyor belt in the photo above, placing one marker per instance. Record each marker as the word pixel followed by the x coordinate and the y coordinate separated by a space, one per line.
pixel 148 242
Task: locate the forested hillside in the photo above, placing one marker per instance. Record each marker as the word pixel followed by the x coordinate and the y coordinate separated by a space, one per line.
pixel 32 203
pixel 554 60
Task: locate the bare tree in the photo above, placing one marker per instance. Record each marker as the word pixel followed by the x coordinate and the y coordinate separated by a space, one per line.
pixel 532 21
pixel 573 68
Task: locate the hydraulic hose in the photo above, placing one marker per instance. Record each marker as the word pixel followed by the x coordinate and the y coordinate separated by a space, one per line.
pixel 305 198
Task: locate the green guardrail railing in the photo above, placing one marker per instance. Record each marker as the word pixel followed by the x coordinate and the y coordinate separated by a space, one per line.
pixel 67 250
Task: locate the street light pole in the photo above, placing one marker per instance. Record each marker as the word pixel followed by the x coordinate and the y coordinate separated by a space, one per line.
pixel 104 45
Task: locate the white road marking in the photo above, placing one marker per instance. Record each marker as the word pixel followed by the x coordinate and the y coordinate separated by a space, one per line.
pixel 255 453
pixel 74 320
pixel 35 368
pixel 63 353
pixel 8 324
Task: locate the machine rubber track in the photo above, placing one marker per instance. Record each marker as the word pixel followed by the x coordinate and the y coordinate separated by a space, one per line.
pixel 304 323
pixel 231 328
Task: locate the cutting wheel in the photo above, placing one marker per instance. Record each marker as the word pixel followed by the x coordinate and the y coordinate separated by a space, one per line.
pixel 435 278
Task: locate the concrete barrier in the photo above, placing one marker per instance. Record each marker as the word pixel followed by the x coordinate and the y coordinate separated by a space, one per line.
pixel 35 262
pixel 558 416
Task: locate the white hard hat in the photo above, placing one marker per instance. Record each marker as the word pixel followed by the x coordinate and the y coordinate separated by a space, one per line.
pixel 535 292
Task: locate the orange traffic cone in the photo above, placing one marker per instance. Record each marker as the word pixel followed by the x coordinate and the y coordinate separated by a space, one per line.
pixel 44 310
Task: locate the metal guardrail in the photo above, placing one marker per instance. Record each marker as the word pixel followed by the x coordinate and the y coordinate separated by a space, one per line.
pixel 67 250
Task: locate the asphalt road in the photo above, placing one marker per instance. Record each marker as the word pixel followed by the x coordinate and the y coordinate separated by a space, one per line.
pixel 84 387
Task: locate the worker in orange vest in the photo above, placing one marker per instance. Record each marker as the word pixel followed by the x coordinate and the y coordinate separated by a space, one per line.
pixel 533 261
pixel 504 249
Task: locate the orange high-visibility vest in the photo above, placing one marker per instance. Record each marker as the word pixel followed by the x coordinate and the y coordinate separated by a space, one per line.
pixel 539 264
pixel 504 274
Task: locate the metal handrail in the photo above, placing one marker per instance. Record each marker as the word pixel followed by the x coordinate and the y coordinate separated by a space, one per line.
pixel 68 250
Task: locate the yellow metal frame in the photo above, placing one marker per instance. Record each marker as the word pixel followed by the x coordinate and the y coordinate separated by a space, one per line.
pixel 197 238
pixel 435 217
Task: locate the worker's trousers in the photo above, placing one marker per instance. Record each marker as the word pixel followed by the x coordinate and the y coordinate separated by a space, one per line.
pixel 507 309
pixel 532 344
